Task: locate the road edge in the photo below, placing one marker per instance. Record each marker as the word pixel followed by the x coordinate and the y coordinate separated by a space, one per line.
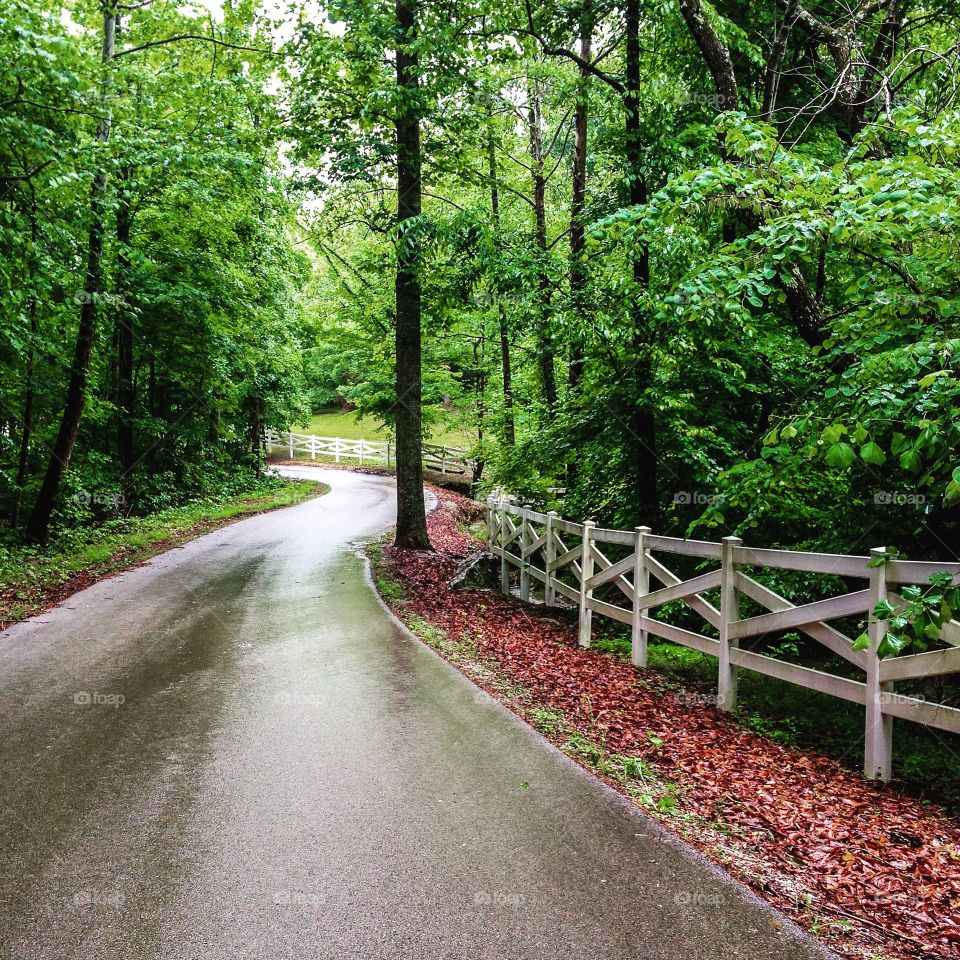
pixel 617 800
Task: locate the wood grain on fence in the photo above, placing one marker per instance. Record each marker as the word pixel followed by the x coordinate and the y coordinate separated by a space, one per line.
pixel 572 562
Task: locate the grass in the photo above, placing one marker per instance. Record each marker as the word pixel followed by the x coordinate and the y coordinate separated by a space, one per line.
pixel 32 578
pixel 349 426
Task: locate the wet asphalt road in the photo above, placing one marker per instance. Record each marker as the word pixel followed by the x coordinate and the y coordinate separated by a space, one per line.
pixel 290 775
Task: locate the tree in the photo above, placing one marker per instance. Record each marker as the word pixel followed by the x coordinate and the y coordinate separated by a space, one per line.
pixel 187 305
pixel 60 455
pixel 411 515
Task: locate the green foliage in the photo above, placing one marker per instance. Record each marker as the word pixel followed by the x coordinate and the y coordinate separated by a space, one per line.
pixel 876 421
pixel 200 268
pixel 917 624
pixel 798 436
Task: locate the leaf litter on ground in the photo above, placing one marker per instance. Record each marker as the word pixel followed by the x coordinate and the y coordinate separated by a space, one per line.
pixel 871 870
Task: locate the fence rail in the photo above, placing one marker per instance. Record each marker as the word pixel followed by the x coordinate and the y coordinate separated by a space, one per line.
pixel 439 458
pixel 570 560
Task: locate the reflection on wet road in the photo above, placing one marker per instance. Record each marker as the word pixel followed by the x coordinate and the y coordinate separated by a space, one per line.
pixel 234 752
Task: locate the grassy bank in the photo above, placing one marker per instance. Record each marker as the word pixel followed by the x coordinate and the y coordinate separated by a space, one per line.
pixel 33 578
pixel 349 426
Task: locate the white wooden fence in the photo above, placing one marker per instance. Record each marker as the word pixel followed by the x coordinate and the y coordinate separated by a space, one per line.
pixel 439 458
pixel 567 561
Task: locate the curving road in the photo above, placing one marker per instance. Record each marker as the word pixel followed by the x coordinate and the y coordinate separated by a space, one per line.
pixel 234 752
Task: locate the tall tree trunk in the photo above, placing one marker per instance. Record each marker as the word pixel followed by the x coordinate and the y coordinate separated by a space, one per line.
pixel 714 52
pixel 578 198
pixel 26 421
pixel 480 370
pixel 39 523
pixel 125 385
pixel 544 340
pixel 643 424
pixel 509 421
pixel 411 512
pixel 26 414
pixel 509 430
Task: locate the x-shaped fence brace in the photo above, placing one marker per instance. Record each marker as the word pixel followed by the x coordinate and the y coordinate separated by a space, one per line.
pixel 565 558
pixel 437 457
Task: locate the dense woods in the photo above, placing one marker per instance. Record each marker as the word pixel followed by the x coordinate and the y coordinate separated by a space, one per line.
pixel 689 265
pixel 150 318
pixel 694 264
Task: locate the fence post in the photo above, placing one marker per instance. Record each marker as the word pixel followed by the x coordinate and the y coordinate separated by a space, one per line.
pixel 526 533
pixel 878 747
pixel 290 434
pixel 388 454
pixel 336 449
pixel 549 591
pixel 729 614
pixel 641 587
pixel 443 459
pixel 504 565
pixel 586 572
pixel 361 453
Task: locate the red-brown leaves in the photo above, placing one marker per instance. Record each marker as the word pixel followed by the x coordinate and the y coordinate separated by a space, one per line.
pixel 812 837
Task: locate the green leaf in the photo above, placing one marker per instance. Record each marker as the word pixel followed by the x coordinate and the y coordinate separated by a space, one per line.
pixel 911 461
pixel 884 610
pixel 930 378
pixel 872 453
pixel 841 455
pixel 891 645
pixel 951 495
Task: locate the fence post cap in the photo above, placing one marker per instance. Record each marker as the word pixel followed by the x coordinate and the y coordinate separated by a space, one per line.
pixel 878 551
pixel 552 513
pixel 643 530
pixel 733 541
pixel 589 523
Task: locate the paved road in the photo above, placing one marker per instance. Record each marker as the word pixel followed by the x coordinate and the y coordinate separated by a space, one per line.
pixel 290 775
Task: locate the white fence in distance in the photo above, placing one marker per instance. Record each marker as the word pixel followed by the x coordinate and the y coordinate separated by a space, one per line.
pixel 439 458
pixel 566 559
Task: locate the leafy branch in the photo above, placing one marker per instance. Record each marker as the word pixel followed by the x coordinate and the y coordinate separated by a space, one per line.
pixel 919 622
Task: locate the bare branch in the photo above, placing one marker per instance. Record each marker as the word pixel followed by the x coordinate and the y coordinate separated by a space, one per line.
pixel 196 36
pixel 551 51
